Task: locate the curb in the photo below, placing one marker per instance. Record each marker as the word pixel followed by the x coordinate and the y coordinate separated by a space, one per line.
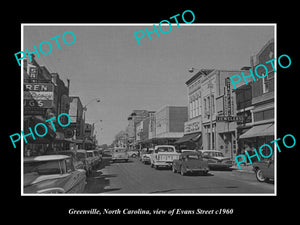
pixel 243 170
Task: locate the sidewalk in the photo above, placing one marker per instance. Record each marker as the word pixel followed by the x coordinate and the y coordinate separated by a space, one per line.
pixel 244 169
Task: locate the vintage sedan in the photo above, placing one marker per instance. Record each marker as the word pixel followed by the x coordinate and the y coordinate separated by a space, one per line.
pixel 119 154
pixel 133 153
pixel 190 161
pixel 52 174
pixel 264 170
pixel 146 156
pixel 81 155
pixel 216 159
pixel 98 157
pixel 78 164
pixel 92 158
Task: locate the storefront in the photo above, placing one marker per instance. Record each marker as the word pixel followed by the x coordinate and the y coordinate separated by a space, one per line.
pixel 38 145
pixel 192 138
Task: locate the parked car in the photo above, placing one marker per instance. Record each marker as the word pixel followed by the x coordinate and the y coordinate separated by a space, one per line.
pixel 188 150
pixel 98 157
pixel 163 156
pixel 78 164
pixel 216 159
pixel 145 156
pixel 133 153
pixel 120 154
pixel 82 156
pixel 52 174
pixel 92 158
pixel 264 170
pixel 107 152
pixel 189 162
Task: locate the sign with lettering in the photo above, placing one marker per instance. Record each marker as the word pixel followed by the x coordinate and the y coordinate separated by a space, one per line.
pixel 37 97
pixel 229 118
pixel 192 126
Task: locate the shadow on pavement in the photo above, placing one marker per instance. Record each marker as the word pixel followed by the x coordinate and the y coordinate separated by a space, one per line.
pixel 97 182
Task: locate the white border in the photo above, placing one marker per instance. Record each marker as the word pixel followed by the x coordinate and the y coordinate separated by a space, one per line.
pixel 151 24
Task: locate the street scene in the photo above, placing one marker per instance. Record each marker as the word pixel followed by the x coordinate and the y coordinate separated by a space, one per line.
pixel 160 118
pixel 134 177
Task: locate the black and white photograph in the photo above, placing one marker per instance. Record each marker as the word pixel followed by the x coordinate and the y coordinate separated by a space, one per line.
pixel 150 113
pixel 174 114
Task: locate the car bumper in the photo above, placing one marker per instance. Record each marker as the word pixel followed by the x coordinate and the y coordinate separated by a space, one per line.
pixel 119 158
pixel 197 170
pixel 165 164
pixel 219 165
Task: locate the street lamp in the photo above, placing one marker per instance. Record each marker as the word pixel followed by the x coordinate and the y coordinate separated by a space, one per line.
pixel 95 99
pixel 84 110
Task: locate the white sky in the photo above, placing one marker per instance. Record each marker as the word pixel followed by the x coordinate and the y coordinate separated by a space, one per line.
pixel 107 62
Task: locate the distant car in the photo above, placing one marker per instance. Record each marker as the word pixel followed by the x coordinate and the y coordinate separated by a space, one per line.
pixel 133 153
pixel 264 170
pixel 190 162
pixel 119 154
pixel 82 156
pixel 49 174
pixel 107 152
pixel 92 158
pixel 146 156
pixel 98 157
pixel 216 159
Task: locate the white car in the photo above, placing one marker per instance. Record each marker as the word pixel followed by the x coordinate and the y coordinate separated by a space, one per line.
pixel 163 156
pixel 146 156
pixel 133 153
pixel 92 158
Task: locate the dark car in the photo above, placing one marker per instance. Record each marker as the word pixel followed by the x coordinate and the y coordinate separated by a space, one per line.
pixel 216 159
pixel 190 162
pixel 264 170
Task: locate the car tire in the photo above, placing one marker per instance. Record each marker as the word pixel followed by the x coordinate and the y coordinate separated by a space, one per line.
pixel 259 175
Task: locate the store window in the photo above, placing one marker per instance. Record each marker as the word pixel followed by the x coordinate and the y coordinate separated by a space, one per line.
pixel 196 107
pixel 264 115
pixel 268 82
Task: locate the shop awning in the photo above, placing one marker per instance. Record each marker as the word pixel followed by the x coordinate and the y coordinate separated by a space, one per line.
pixel 259 130
pixel 188 137
pixel 269 131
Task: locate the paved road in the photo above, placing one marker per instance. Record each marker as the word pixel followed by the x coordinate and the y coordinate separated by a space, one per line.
pixel 135 177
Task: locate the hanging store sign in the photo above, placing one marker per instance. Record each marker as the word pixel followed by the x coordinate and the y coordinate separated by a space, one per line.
pixel 229 118
pixel 227 98
pixel 38 96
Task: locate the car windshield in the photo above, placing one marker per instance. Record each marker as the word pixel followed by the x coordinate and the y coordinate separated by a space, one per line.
pixel 165 149
pixel 42 168
pixel 80 155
